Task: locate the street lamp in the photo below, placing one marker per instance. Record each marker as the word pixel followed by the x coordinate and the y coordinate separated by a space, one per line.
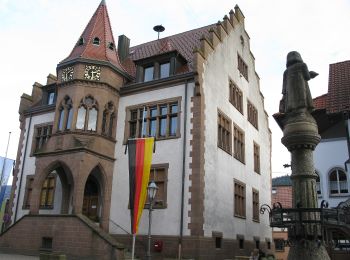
pixel 152 190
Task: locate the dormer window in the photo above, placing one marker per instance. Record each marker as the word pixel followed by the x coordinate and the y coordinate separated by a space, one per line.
pixel 111 46
pixel 164 70
pixel 148 73
pixel 96 41
pixel 81 41
pixel 50 97
pixel 159 67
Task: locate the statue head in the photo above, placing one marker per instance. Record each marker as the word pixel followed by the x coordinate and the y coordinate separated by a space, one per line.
pixel 293 57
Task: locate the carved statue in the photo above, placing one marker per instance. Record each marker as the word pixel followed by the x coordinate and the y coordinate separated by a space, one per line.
pixel 296 92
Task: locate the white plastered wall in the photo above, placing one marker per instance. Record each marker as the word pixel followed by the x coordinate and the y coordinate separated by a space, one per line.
pixel 165 221
pixel 222 168
pixel 29 168
pixel 330 154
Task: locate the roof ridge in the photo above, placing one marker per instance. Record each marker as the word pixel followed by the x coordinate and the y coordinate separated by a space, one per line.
pixel 173 35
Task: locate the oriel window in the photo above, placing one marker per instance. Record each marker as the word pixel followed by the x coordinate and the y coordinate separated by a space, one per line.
pixel 87 114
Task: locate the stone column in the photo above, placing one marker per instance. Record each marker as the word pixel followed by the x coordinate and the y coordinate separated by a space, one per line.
pixel 300 136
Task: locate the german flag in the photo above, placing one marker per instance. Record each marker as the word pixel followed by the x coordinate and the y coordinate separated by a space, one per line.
pixel 140 159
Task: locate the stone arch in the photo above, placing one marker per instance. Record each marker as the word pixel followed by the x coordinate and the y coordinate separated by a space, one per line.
pixel 95 194
pixel 66 181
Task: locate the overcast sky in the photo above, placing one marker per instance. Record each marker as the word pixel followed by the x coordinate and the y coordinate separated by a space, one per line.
pixel 37 34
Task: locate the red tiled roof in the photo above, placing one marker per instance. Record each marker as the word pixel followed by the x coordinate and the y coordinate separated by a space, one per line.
pixel 98 26
pixel 339 87
pixel 184 43
pixel 338 97
pixel 320 102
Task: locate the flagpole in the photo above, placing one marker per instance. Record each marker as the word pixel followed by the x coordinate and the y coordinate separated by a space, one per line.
pixel 133 246
pixel 3 165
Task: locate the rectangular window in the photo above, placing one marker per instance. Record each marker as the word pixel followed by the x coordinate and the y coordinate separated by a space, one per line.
pixel 28 192
pixel 160 120
pixel 224 133
pixel 242 67
pixel 255 205
pixel 238 142
pixel 148 73
pixel 47 191
pixel 236 97
pixel 256 158
pixel 252 114
pixel 239 199
pixel 164 70
pixel 42 135
pixel 159 174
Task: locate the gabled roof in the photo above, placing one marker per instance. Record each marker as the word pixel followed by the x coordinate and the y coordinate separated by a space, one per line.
pixel 184 43
pixel 99 26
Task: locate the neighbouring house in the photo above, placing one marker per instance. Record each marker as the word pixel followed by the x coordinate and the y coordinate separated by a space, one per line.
pixel 332 154
pixel 198 94
pixel 281 193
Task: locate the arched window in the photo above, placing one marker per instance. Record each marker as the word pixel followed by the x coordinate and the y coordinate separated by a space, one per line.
pixel 87 114
pixel 108 119
pixel 338 182
pixel 96 41
pixel 65 114
pixel 318 184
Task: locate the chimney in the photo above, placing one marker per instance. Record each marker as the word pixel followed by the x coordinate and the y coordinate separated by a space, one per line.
pixel 123 47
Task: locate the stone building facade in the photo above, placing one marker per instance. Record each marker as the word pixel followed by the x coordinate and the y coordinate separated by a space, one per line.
pixel 197 93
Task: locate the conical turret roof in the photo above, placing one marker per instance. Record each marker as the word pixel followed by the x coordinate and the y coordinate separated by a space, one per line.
pixel 97 41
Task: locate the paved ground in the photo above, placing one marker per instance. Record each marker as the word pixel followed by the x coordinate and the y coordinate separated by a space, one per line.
pixel 17 257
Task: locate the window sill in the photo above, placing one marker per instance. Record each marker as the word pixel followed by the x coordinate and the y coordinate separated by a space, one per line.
pixel 238 216
pixel 339 195
pixel 256 220
pixel 243 162
pixel 155 139
pixel 228 152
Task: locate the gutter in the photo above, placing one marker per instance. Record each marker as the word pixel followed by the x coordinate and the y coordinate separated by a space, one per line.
pixel 183 174
pixel 22 170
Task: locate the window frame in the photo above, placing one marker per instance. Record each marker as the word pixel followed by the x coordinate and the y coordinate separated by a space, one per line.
pixel 138 120
pixel 53 176
pixel 44 138
pixel 242 67
pixel 339 193
pixel 240 200
pixel 237 142
pixel 257 159
pixel 164 202
pixel 252 114
pixel 109 120
pixel 318 184
pixel 65 109
pixel 224 134
pixel 255 205
pixel 28 191
pixel 88 108
pixel 236 96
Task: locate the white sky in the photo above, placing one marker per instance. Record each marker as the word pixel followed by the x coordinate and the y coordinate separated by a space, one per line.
pixel 35 35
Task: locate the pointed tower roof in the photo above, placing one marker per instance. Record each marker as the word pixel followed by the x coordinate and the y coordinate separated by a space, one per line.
pixel 97 41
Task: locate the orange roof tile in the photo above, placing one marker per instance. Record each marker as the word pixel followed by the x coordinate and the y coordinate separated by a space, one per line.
pixel 98 26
